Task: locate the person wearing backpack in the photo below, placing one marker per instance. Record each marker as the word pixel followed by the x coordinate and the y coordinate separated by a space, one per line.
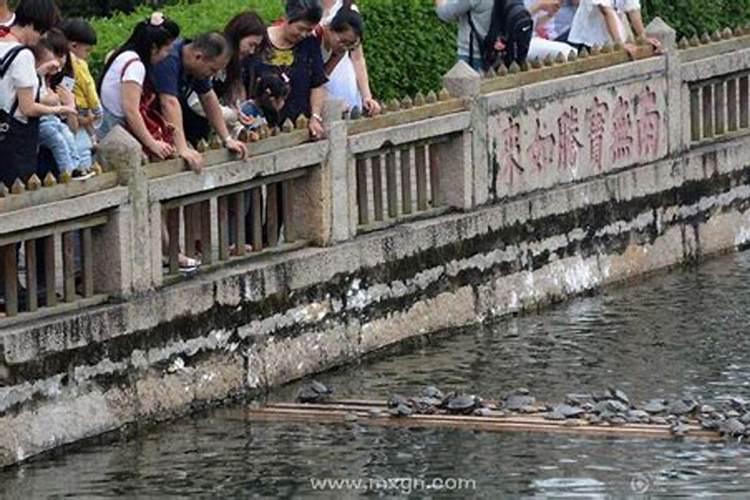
pixel 20 87
pixel 494 32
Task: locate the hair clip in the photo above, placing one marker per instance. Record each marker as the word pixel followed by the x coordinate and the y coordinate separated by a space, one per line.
pixel 156 19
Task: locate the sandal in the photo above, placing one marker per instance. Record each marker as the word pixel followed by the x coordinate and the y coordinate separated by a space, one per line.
pixel 187 264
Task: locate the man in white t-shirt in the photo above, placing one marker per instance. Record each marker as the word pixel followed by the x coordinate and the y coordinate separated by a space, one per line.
pixel 598 22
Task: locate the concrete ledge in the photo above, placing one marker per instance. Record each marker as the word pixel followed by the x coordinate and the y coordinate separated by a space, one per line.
pixel 62 211
pixel 227 174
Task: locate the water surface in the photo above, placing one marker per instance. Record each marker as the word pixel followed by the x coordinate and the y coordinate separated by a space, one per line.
pixel 684 333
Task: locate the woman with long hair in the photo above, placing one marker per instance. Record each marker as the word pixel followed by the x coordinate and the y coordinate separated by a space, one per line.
pixel 125 77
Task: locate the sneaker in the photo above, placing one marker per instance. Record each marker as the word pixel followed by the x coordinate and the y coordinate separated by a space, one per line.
pixel 80 175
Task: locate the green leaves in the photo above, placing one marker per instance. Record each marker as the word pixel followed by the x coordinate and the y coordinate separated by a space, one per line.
pixel 408 48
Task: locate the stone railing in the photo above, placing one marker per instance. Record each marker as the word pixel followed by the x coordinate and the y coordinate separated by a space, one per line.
pixel 481 140
pixel 53 244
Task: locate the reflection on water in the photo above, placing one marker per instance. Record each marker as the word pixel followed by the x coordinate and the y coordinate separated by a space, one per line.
pixel 673 335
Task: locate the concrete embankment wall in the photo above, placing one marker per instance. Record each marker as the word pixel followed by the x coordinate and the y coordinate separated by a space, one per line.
pixel 524 195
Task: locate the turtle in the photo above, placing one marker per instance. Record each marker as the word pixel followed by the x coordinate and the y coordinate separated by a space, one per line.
pixel 732 427
pixel 397 399
pixel 516 402
pixel 610 405
pixel 554 415
pixel 710 423
pixel 351 417
pixel 432 392
pixel 656 406
pixel 739 404
pixel 683 407
pixel 707 409
pixel 463 404
pixel 314 392
pixel 574 399
pixel 401 410
pixel 659 421
pixel 425 406
pixel 619 395
pixel 483 412
pixel 638 416
pixel 569 411
pixel 678 429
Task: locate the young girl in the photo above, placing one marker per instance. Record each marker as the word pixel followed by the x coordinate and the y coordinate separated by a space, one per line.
pixel 51 55
pixel 20 108
pixel 341 41
pixel 598 22
pixel 126 73
pixel 271 91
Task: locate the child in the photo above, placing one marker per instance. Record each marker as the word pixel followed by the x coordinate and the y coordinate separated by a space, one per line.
pixel 81 40
pixel 271 91
pixel 598 22
pixel 51 55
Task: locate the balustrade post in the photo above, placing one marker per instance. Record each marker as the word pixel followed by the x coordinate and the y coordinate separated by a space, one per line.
pixel 679 124
pixel 460 166
pixel 128 250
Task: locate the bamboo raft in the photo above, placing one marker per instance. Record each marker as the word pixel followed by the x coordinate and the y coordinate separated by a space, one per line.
pixel 346 411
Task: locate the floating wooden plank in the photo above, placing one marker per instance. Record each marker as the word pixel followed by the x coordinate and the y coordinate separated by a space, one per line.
pixel 341 413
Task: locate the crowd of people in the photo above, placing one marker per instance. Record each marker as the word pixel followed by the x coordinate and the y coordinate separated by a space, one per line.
pixel 171 93
pixel 168 91
pixel 555 28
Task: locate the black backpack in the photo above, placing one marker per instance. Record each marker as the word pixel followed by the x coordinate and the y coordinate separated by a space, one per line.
pixel 509 36
pixel 6 117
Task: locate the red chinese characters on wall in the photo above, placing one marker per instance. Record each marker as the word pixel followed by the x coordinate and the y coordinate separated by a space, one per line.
pixel 599 132
pixel 569 144
pixel 512 149
pixel 597 116
pixel 542 149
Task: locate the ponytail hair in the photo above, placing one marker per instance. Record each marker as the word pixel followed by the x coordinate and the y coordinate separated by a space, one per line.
pixel 348 18
pixel 152 33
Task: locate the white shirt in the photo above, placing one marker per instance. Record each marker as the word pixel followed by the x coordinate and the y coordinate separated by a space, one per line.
pixel 331 13
pixel 20 75
pixel 590 27
pixel 113 80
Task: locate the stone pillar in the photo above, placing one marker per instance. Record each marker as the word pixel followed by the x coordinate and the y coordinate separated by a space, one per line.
pixel 342 186
pixel 464 171
pixel 678 96
pixel 125 248
pixel 319 212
